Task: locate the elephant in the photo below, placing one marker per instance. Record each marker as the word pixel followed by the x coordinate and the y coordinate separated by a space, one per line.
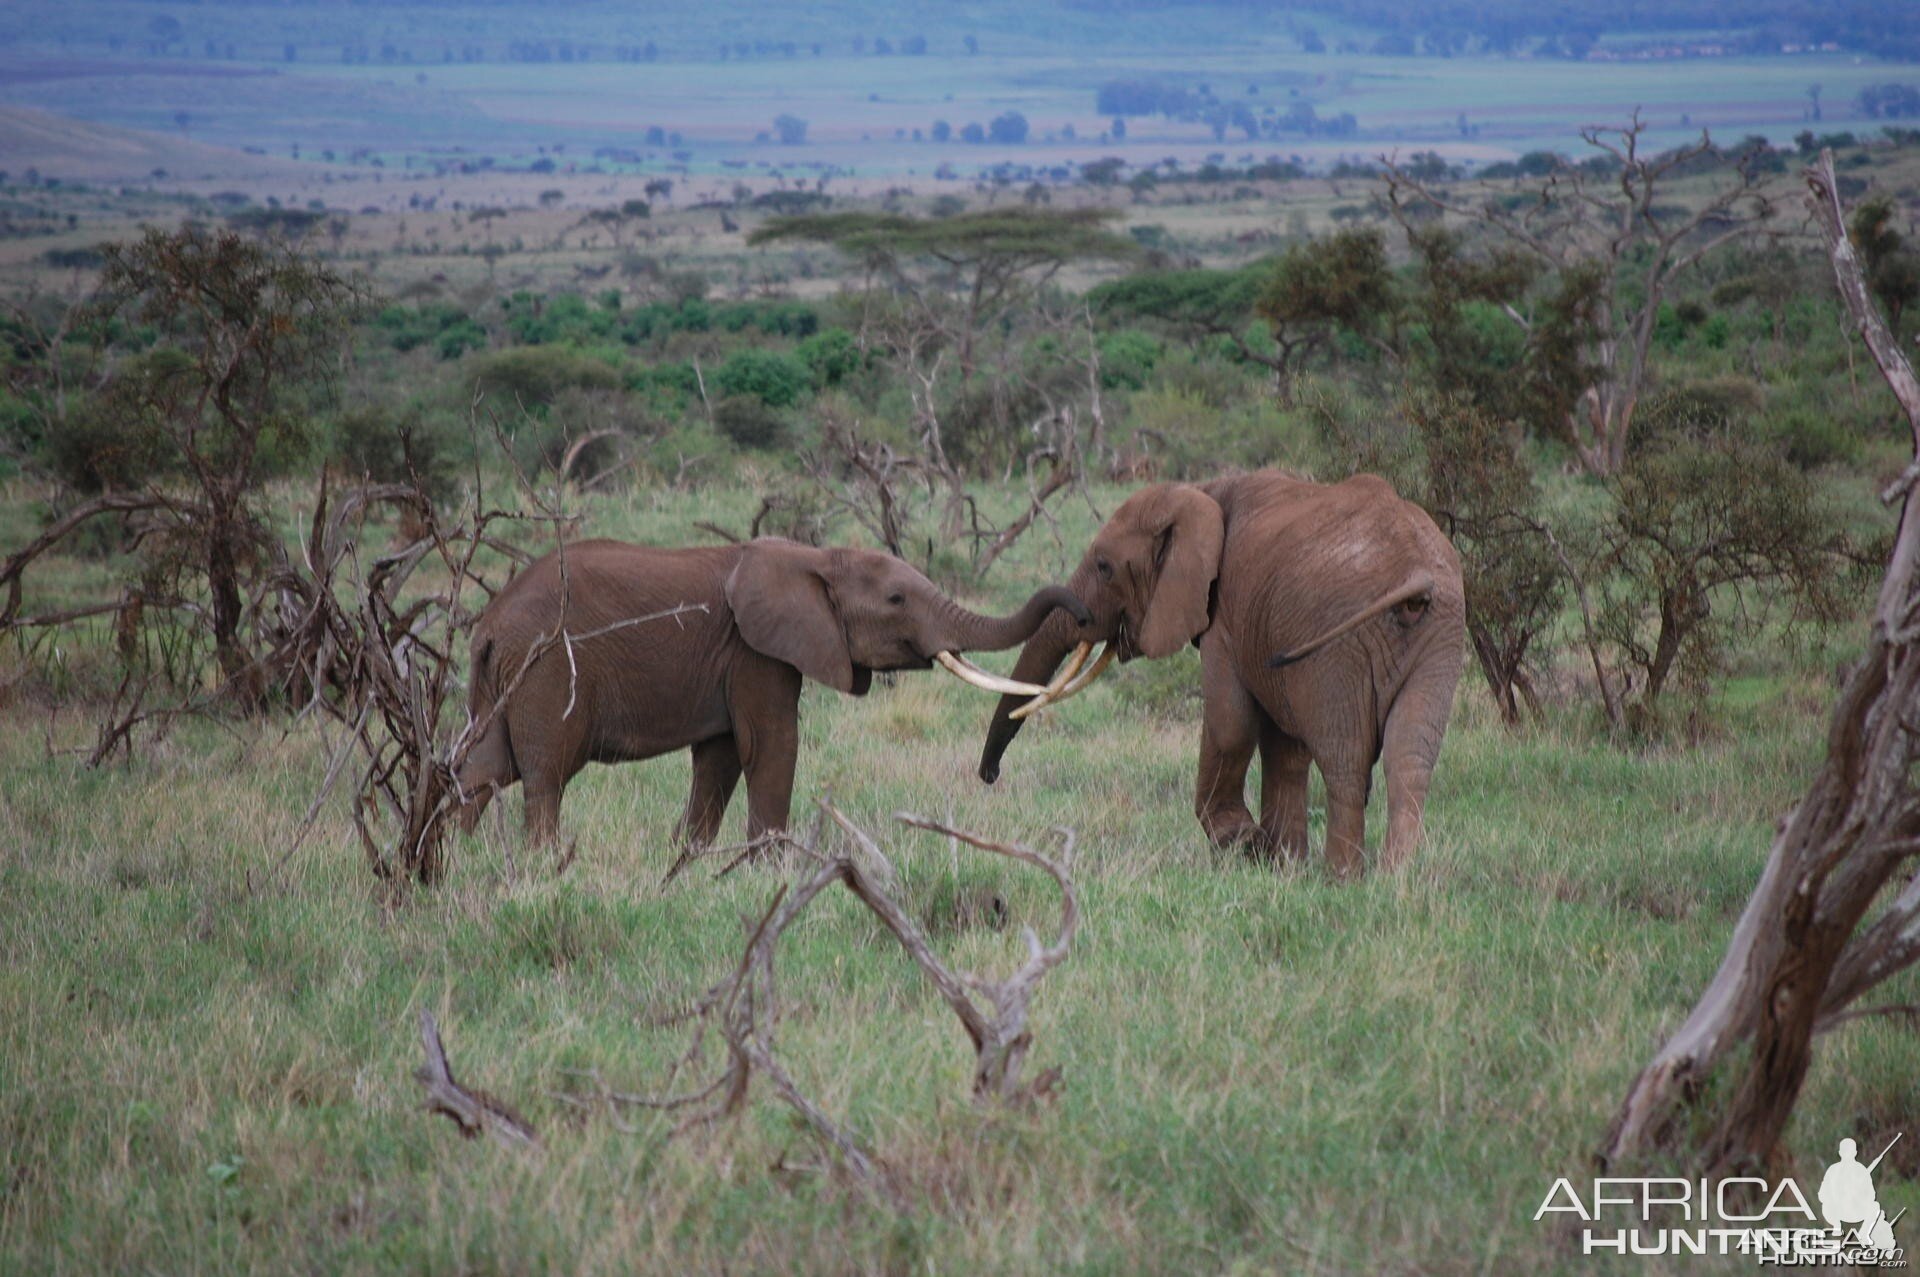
pixel 722 679
pixel 1331 625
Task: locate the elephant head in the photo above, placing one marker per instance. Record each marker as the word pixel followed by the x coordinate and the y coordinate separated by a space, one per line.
pixel 1147 581
pixel 837 615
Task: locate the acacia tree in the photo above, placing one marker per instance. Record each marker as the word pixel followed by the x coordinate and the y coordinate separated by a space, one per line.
pixel 1316 288
pixel 242 325
pixel 1603 225
pixel 988 260
pixel 1803 951
pixel 961 290
pixel 1304 295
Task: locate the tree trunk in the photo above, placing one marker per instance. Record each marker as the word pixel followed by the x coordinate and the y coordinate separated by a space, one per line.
pixel 1796 956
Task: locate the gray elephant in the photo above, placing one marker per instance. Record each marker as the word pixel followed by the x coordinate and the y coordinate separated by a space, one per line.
pixel 1331 625
pixel 724 682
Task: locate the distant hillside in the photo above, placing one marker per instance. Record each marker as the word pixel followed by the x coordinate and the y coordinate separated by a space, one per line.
pixel 74 150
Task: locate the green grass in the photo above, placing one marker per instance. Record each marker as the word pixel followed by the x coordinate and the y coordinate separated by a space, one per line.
pixel 206 1067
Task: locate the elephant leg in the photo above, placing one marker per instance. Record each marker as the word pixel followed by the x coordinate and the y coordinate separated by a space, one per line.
pixel 545 769
pixel 1347 790
pixel 474 808
pixel 764 699
pixel 1229 733
pixel 1415 727
pixel 488 768
pixel 716 770
pixel 1283 789
pixel 543 808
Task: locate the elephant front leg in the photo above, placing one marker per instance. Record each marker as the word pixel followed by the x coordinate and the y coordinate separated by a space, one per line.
pixel 716 770
pixel 765 703
pixel 1229 733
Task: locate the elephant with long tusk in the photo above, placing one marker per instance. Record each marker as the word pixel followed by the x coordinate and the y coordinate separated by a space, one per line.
pixel 1331 626
pixel 721 679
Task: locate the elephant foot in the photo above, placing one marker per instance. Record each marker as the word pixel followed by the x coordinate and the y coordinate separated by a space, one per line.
pixel 1228 831
pixel 1347 864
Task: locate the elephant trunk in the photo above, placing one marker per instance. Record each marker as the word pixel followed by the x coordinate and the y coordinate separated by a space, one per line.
pixel 968 631
pixel 1038 661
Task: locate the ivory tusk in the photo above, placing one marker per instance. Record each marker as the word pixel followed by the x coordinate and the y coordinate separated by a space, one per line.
pixel 1072 688
pixel 1074 661
pixel 967 672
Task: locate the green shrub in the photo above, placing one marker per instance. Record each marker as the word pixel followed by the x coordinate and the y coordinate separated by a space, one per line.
pixel 377 443
pixel 451 330
pixel 1127 359
pixel 691 454
pixel 117 437
pixel 748 421
pixel 1811 439
pixel 1697 408
pixel 831 356
pixel 533 376
pixel 775 379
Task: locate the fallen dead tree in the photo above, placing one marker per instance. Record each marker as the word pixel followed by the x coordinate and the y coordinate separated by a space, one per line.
pixel 1803 953
pixel 742 1008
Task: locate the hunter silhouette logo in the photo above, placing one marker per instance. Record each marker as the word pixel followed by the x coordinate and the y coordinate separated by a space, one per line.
pixel 1847 1199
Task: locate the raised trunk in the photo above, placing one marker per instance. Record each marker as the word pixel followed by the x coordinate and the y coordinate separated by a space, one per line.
pixel 967 631
pixel 1038 661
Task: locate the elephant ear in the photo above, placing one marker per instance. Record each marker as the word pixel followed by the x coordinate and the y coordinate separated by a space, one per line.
pixel 1187 558
pixel 783 609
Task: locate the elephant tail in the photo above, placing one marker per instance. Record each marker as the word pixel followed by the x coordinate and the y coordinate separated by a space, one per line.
pixel 1417 587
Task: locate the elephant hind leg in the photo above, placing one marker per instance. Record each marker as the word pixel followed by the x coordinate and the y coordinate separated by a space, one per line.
pixel 1347 790
pixel 1415 727
pixel 1283 789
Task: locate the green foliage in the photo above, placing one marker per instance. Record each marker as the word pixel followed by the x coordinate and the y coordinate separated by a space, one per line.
pixel 119 437
pixel 534 319
pixel 831 356
pixel 1343 279
pixel 1127 358
pixel 1708 532
pixel 532 377
pixel 775 379
pixel 1893 270
pixel 1698 409
pixel 374 442
pixel 1480 489
pixel 1011 238
pixel 450 330
pixel 1198 301
pixel 748 421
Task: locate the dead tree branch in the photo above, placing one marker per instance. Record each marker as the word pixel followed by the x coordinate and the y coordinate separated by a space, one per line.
pixel 743 1009
pixel 473 1111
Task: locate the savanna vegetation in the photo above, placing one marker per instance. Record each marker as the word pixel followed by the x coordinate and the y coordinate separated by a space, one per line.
pixel 1619 377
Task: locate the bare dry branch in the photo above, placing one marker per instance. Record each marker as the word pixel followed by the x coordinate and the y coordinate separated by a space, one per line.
pixel 472 1111
pixel 741 1006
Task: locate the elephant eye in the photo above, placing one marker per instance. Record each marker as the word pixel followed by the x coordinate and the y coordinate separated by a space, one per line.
pixel 1105 569
pixel 898 600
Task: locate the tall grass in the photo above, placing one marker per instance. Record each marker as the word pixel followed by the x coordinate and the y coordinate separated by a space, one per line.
pixel 205 1065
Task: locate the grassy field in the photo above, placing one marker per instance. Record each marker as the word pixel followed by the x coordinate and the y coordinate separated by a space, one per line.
pixel 205 1065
